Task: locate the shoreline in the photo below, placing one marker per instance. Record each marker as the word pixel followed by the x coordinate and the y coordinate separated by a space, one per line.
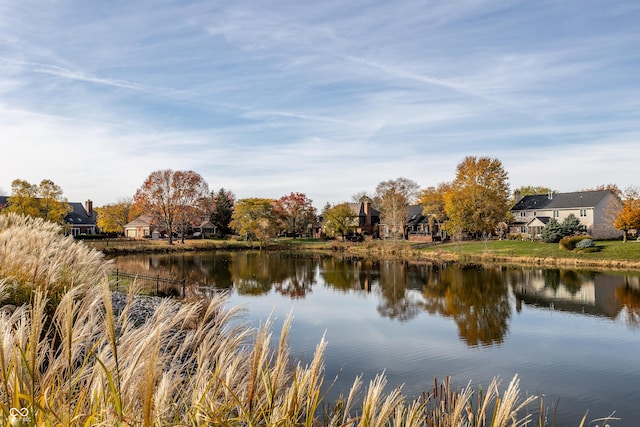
pixel 440 253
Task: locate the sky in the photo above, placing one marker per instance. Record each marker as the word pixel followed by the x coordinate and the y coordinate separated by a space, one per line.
pixel 326 98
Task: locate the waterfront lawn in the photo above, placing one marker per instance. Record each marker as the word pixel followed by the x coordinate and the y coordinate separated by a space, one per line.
pixel 606 250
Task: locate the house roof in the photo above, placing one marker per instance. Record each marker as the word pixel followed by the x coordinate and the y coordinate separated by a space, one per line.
pixel 3 201
pixel 79 215
pixel 142 221
pixel 415 216
pixel 542 219
pixel 578 199
pixel 358 209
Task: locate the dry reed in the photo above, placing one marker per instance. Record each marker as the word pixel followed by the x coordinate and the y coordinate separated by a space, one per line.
pixel 191 363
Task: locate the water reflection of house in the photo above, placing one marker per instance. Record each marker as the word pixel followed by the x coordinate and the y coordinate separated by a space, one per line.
pixel 584 293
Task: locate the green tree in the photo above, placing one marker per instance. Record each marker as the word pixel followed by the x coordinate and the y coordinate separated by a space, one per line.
pixel 295 213
pixel 394 197
pixel 113 217
pixel 572 226
pixel 338 220
pixel 254 218
pixel 43 201
pixel 553 232
pixel 478 200
pixel 222 210
pixel 628 216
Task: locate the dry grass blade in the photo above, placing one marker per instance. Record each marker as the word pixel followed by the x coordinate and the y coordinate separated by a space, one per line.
pixel 69 357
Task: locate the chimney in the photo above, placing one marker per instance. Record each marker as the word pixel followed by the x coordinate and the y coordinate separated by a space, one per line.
pixel 516 195
pixel 88 206
pixel 367 213
pixel 550 195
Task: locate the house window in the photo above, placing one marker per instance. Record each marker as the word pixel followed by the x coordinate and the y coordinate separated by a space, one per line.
pixel 535 213
pixel 556 214
pixel 523 213
pixel 583 212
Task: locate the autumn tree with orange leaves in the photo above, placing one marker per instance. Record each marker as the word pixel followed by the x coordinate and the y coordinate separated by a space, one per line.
pixel 295 214
pixel 628 217
pixel 478 199
pixel 172 198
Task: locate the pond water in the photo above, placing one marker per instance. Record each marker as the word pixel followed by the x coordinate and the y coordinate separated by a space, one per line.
pixel 573 336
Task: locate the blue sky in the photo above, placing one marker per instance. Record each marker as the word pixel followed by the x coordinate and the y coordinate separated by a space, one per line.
pixel 327 98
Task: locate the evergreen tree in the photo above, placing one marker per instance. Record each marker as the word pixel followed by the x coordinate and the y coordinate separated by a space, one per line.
pixel 553 232
pixel 222 211
pixel 572 226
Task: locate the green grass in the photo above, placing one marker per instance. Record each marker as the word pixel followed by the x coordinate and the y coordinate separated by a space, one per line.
pixel 609 254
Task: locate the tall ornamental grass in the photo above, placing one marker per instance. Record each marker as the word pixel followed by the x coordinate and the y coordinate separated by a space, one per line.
pixel 79 362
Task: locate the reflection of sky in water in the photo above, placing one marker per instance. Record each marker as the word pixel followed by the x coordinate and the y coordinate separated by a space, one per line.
pixel 581 351
pixel 587 362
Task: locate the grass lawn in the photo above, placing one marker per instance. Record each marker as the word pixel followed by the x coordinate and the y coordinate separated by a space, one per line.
pixel 607 250
pixel 609 254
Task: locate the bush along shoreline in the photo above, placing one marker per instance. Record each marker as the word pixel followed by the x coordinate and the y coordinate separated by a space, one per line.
pixel 74 353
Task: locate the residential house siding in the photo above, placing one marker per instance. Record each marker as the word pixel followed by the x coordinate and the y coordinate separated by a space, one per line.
pixel 593 208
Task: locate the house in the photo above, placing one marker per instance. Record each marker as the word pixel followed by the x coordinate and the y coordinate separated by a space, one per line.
pixel 420 227
pixel 368 218
pixel 81 219
pixel 141 227
pixel 206 229
pixel 594 209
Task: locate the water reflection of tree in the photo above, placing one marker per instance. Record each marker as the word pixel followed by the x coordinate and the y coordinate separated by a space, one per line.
pixel 630 298
pixel 477 300
pixel 396 301
pixel 256 273
pixel 345 274
pixel 253 272
pixel 301 276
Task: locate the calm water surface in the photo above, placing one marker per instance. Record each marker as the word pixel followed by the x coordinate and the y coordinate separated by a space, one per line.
pixel 573 336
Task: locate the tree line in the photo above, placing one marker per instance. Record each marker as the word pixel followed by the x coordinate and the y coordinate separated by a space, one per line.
pixel 475 203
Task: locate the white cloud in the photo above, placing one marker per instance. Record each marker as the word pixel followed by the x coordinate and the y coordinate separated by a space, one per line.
pixel 327 98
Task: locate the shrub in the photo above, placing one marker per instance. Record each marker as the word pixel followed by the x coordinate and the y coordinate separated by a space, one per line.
pixel 585 243
pixel 554 231
pixel 570 242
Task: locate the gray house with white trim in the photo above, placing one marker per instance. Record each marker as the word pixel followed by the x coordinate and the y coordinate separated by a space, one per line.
pixel 595 210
